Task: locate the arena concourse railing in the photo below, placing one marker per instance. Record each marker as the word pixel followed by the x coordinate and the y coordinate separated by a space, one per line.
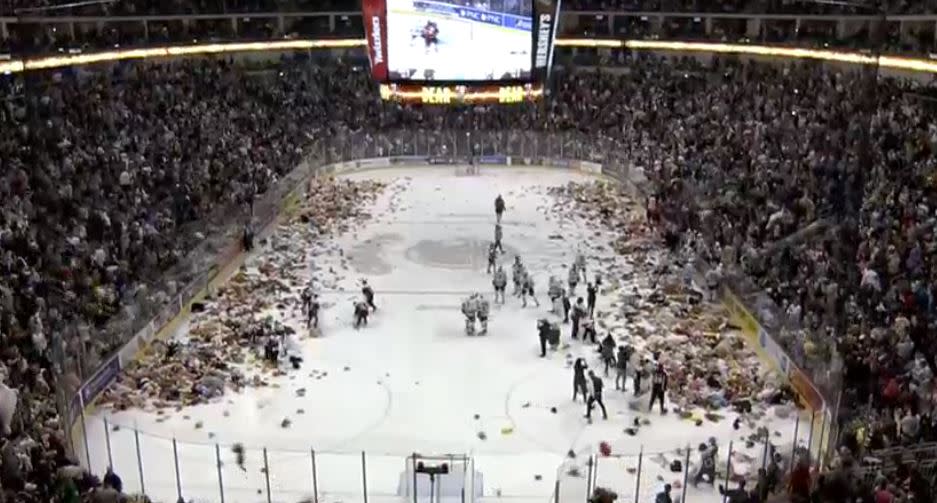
pixel 289 473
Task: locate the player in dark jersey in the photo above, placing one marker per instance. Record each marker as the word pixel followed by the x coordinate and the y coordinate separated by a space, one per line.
pixel 430 34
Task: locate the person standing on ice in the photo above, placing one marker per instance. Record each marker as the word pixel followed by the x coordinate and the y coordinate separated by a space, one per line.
pixel 499 207
pixel 517 275
pixel 306 297
pixel 470 311
pixel 658 387
pixel 578 312
pixel 707 465
pixel 527 288
pixel 573 279
pixel 596 397
pixel 500 282
pixel 492 258
pixel 483 309
pixel 580 265
pixel 312 312
pixel 579 379
pixel 368 293
pixel 591 291
pixel 361 313
pixel 554 290
pixel 499 235
pixel 621 365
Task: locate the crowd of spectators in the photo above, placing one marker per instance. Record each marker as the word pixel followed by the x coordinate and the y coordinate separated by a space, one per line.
pixel 28 37
pixel 109 176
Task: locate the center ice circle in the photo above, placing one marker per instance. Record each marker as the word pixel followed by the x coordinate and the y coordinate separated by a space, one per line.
pixel 459 253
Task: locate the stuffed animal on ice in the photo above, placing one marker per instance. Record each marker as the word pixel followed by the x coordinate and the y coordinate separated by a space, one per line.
pixel 470 307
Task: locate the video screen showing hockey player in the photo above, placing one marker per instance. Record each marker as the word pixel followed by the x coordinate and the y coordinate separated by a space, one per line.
pixel 459 40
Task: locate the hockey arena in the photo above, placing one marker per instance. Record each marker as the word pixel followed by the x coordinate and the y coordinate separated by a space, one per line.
pixel 347 412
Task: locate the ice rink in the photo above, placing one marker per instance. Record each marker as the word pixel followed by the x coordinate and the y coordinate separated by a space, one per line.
pixel 466 50
pixel 412 381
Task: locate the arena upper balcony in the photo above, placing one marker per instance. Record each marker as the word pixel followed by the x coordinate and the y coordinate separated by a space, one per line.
pixel 31 28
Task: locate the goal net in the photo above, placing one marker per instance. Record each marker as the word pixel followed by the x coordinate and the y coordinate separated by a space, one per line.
pixel 446 478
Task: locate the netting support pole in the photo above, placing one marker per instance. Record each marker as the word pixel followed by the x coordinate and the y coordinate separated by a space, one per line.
pixel 84 434
pixel 107 443
pixel 589 479
pixel 267 474
pixel 175 461
pixel 218 467
pixel 794 444
pixel 821 452
pixel 725 495
pixel 315 477
pixel 686 473
pixel 136 439
pixel 364 476
pixel 413 466
pixel 813 419
pixel 637 483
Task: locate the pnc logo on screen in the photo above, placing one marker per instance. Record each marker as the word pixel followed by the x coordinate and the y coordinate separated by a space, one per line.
pixel 377 45
pixel 543 40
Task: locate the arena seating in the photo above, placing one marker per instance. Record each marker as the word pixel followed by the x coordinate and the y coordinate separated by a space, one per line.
pixel 109 179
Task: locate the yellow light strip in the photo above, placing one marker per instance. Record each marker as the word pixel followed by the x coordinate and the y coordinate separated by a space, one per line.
pixel 589 42
pixel 183 50
pixel 896 62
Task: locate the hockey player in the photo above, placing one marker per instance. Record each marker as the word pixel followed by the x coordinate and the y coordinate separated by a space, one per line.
pixel 368 293
pixel 578 312
pixel 587 324
pixel 527 288
pixel 658 387
pixel 361 313
pixel 306 297
pixel 579 379
pixel 554 291
pixel 567 306
pixel 517 275
pixel 580 265
pixel 499 234
pixel 470 311
pixel 492 258
pixel 312 312
pixel 500 282
pixel 591 291
pixel 607 350
pixel 596 397
pixel 499 207
pixel 621 365
pixel 543 332
pixel 707 466
pixel 430 35
pixel 573 279
pixel 482 309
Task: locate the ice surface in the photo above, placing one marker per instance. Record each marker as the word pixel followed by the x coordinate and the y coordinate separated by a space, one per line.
pixel 411 381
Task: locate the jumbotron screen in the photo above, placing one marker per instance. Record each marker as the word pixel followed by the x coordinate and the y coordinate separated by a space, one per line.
pixel 460 41
pixel 467 40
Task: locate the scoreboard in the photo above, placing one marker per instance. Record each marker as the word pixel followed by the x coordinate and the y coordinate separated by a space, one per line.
pixel 461 94
pixel 451 52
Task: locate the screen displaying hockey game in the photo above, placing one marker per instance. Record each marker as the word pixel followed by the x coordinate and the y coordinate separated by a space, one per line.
pixel 459 40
